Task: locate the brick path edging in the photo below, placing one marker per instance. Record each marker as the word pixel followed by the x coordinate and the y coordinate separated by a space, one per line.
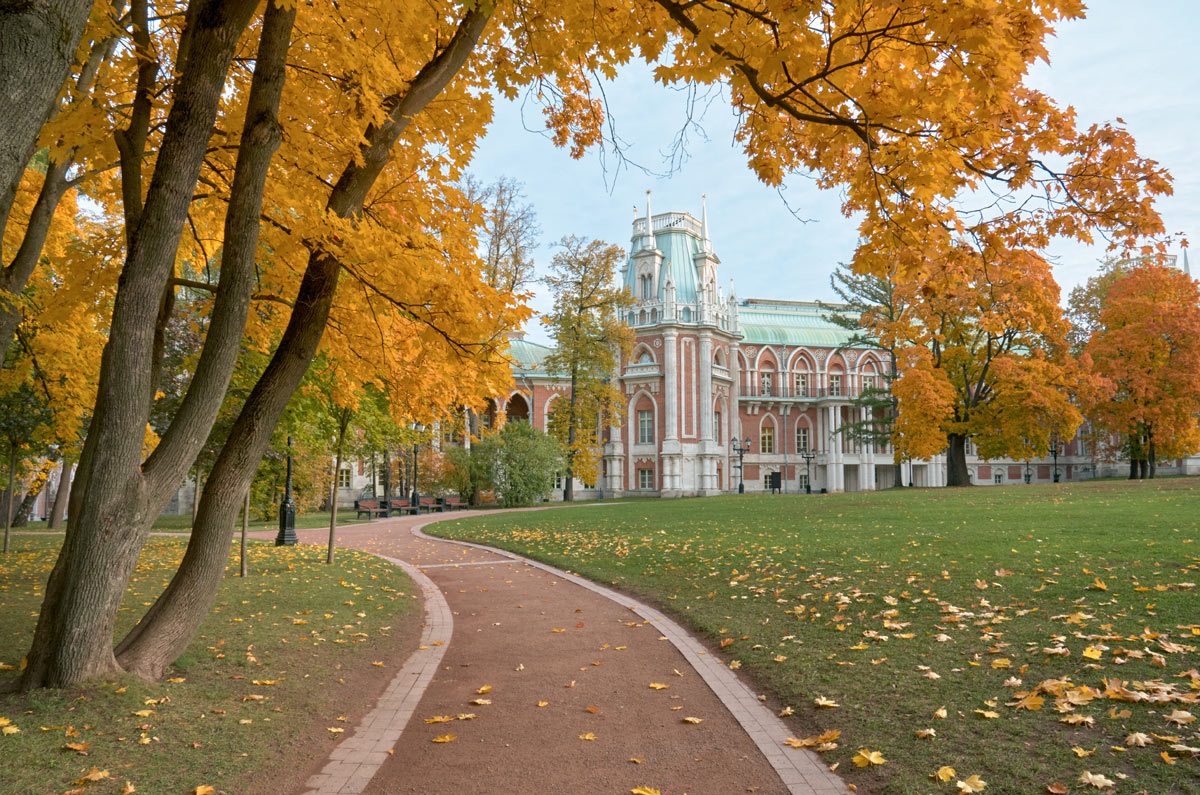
pixel 802 771
pixel 355 760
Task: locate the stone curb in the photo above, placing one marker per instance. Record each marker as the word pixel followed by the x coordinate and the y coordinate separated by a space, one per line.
pixel 801 770
pixel 355 760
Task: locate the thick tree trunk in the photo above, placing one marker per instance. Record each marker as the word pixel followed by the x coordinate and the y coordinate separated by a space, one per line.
pixel 957 473
pixel 1143 469
pixel 115 496
pixel 59 509
pixel 167 628
pixel 38 41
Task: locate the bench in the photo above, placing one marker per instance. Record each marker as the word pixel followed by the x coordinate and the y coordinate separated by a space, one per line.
pixel 453 503
pixel 400 506
pixel 430 504
pixel 369 507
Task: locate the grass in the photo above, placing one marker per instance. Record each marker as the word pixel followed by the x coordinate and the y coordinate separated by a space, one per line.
pixel 183 523
pixel 1051 622
pixel 274 666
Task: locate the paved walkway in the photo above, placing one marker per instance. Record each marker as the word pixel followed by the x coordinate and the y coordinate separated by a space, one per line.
pixel 567 704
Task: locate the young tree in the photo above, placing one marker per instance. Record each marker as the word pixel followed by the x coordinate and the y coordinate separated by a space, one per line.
pixel 1147 346
pixel 509 231
pixel 591 337
pixel 524 462
pixel 24 412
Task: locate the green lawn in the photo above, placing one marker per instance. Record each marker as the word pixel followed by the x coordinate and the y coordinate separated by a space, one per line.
pixel 286 654
pixel 1051 622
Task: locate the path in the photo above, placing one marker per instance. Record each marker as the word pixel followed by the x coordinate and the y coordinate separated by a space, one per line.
pixel 534 635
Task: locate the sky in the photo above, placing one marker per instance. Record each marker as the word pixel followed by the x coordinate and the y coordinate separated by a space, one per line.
pixel 1135 60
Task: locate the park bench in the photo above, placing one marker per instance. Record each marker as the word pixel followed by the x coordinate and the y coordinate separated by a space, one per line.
pixel 369 507
pixel 400 506
pixel 430 504
pixel 453 503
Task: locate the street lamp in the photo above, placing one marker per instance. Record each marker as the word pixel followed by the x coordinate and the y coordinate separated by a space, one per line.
pixel 741 448
pixel 287 508
pixel 808 456
pixel 416 497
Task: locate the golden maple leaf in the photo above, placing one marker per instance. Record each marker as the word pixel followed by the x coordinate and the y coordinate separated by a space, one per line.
pixel 866 757
pixel 944 773
pixel 972 784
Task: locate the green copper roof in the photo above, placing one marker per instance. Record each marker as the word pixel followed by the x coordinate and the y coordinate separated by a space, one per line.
pixel 528 357
pixel 789 323
pixel 678 248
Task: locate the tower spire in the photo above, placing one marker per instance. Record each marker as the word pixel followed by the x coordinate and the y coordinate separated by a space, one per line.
pixel 1186 269
pixel 650 222
pixel 704 223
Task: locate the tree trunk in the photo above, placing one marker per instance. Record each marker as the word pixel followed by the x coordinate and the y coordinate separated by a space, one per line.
pixel 569 485
pixel 196 491
pixel 38 41
pixel 60 497
pixel 12 476
pixel 1133 450
pixel 243 568
pixel 116 495
pixel 21 517
pixel 1143 469
pixel 167 628
pixel 1151 458
pixel 343 422
pixel 957 473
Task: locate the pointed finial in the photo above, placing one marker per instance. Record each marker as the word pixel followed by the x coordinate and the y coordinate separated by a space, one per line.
pixel 650 221
pixel 704 223
pixel 1186 268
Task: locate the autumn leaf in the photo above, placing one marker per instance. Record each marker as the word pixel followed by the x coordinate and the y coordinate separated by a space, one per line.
pixel 480 702
pixel 1180 717
pixel 589 736
pixel 128 789
pixel 1095 780
pixel 484 690
pixel 543 703
pixel 827 703
pixel 987 713
pixel 925 734
pixel 693 720
pixel 658 686
pixel 637 760
pixel 1082 752
pixel 944 773
pixel 77 747
pixel 444 738
pixel 645 791
pixel 971 784
pixel 95 774
pixel 726 642
pixel 940 712
pixel 866 757
pixel 440 719
pixel 203 789
pixel 1138 739
pixel 1057 789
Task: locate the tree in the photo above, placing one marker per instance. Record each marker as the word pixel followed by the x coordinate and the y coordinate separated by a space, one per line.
pixel 1086 301
pixel 524 460
pixel 335 164
pixel 591 337
pixel 983 357
pixel 509 231
pixel 869 303
pixel 23 413
pixel 1147 346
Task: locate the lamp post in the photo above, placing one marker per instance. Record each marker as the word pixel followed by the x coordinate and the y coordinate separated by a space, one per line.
pixel 808 456
pixel 1028 472
pixel 741 448
pixel 287 508
pixel 416 495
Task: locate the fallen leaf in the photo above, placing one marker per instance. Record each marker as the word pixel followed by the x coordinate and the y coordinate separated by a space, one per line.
pixel 987 713
pixel 693 720
pixel 1082 752
pixel 645 791
pixel 1139 739
pixel 658 686
pixel 589 736
pixel 637 760
pixel 444 738
pixel 480 702
pixel 925 734
pixel 203 789
pixel 128 789
pixel 440 719
pixel 972 784
pixel 866 757
pixel 940 713
pixel 543 703
pixel 1096 780
pixel 592 708
pixel 335 730
pixel 944 773
pixel 1057 789
pixel 1180 717
pixel 95 774
pixel 484 690
pixel 821 701
pixel 77 747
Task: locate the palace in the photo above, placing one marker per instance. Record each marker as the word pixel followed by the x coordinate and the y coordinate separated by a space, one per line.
pixel 708 369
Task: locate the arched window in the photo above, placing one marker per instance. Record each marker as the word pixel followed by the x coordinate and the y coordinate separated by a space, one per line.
pixel 803 438
pixel 645 358
pixel 766 438
pixel 687 315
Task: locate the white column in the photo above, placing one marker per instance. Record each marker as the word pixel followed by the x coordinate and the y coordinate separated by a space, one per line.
pixel 671 386
pixel 705 364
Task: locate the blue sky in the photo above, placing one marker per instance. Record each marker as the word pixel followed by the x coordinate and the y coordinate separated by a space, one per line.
pixel 1140 65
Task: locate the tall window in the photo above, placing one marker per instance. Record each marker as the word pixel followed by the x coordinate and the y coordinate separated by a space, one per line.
pixel 645 427
pixel 803 481
pixel 802 384
pixel 835 385
pixel 645 478
pixel 801 438
pixel 558 480
pixel 717 425
pixel 344 478
pixel 868 382
pixel 764 383
pixel 766 439
pixel 646 287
